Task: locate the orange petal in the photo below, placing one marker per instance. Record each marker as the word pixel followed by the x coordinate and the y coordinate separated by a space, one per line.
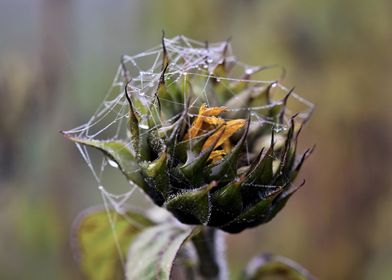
pixel 234 125
pixel 230 128
pixel 213 111
pixel 213 120
pixel 211 140
pixel 227 146
pixel 216 155
pixel 197 123
pixel 206 115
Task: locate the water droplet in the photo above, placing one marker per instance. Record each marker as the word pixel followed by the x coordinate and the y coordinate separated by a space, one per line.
pixel 210 60
pixel 120 210
pixel 143 126
pixel 277 129
pixel 280 128
pixel 112 163
pixel 217 80
pixel 248 71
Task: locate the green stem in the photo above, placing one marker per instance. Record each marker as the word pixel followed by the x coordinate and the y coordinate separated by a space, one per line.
pixel 210 262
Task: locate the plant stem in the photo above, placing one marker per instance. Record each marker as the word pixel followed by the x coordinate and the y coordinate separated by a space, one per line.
pixel 210 261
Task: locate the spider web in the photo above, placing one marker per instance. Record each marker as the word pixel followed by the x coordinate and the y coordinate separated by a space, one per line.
pixel 142 73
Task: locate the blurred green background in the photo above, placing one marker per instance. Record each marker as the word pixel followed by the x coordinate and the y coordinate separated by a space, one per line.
pixel 58 58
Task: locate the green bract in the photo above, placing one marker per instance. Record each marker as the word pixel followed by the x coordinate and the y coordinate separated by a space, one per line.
pixel 212 149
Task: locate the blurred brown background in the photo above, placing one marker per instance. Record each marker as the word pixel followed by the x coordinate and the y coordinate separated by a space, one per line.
pixel 57 60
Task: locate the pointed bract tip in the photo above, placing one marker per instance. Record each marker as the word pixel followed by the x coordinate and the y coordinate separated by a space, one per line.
pixel 288 95
pixel 65 134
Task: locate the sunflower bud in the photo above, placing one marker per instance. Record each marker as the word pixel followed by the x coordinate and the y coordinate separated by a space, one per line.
pixel 210 148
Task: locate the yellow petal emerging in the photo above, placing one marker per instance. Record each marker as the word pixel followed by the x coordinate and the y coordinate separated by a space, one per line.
pixel 214 121
pixel 206 115
pixel 227 146
pixel 229 128
pixel 233 126
pixel 213 111
pixel 207 120
pixel 216 155
pixel 212 139
pixel 197 123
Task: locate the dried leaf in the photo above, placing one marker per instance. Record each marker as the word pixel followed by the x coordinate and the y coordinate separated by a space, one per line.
pixel 100 247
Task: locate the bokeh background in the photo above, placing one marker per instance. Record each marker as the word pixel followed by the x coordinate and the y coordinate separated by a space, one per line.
pixel 58 58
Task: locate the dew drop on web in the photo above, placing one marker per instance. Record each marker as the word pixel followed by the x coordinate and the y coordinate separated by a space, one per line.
pixel 143 126
pixel 112 163
pixel 248 71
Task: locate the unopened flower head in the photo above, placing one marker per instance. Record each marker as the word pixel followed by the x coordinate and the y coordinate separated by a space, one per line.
pixel 211 149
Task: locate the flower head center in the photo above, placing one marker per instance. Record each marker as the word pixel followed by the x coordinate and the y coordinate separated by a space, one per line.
pixel 208 119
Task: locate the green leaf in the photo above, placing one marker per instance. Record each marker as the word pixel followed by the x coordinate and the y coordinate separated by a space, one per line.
pixel 133 122
pixel 226 204
pixel 156 174
pixel 237 101
pixel 152 254
pixel 281 200
pixel 261 96
pixel 193 206
pixel 117 151
pixel 101 247
pixel 269 266
pixel 171 97
pixel 254 215
pixel 262 171
pixel 286 159
pixel 192 170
